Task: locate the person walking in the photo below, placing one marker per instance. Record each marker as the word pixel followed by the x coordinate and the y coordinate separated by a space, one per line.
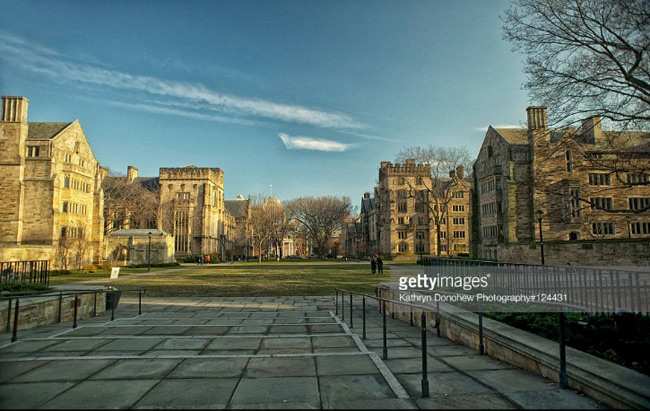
pixel 380 266
pixel 373 265
pixel 207 259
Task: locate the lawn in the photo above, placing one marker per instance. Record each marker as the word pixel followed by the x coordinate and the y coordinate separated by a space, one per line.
pixel 250 279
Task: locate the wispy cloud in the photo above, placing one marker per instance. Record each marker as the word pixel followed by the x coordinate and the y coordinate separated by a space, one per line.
pixel 484 128
pixel 50 63
pixel 308 143
pixel 368 136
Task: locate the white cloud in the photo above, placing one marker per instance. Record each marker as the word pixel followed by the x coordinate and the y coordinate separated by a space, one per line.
pixel 38 59
pixel 308 143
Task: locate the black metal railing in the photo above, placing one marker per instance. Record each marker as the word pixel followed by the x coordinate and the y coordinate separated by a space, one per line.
pixel 602 290
pixel 34 272
pixel 14 302
pixel 382 308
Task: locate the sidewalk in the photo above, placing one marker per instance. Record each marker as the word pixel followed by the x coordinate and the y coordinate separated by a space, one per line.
pixel 262 352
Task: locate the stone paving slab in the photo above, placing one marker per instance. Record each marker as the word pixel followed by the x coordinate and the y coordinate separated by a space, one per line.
pixel 257 352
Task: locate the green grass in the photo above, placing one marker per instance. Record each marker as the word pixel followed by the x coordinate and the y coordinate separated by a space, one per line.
pixel 77 276
pixel 253 279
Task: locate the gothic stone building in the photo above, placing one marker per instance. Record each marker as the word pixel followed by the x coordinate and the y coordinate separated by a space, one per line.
pixel 417 213
pixel 193 209
pixel 577 180
pixel 50 186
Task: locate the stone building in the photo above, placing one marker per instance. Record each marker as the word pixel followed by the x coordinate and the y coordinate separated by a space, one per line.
pixel 50 186
pixel 140 246
pixel 417 213
pixel 192 209
pixel 240 237
pixel 582 184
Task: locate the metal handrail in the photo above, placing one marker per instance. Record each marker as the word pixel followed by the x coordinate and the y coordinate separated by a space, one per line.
pixel 423 325
pixel 60 294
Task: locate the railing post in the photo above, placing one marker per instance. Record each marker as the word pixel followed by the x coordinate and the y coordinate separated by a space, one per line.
pixel 351 320
pixel 95 304
pixel 113 311
pixel 139 302
pixel 336 298
pixel 481 348
pixel 564 380
pixel 14 336
pixel 438 318
pixel 425 372
pixel 342 305
pixel 384 326
pixel 60 305
pixel 8 327
pixel 411 319
pixel 364 317
pixel 76 303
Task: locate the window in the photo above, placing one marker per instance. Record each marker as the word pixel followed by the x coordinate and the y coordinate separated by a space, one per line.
pixel 66 182
pixel 420 234
pixel 402 247
pixel 401 206
pixel 569 161
pixel 458 207
pixel 443 234
pixel 420 247
pixel 402 193
pixel 574 236
pixel 422 220
pixel 419 181
pixel 401 180
pixel 459 234
pixel 600 179
pixel 183 196
pixel 574 203
pixel 601 203
pixel 459 220
pixel 420 207
pixel 602 228
pixel 458 194
pixel 64 207
pixel 68 158
pixel 400 220
pixel 639 203
pixel 638 178
pixel 64 231
pixel 401 234
pixel 32 151
pixel 640 228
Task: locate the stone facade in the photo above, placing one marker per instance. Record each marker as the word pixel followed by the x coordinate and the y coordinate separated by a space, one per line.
pixel 50 186
pixel 576 180
pixel 131 247
pixel 416 213
pixel 193 209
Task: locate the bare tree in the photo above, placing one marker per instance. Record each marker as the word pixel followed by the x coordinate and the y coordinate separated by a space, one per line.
pixel 321 217
pixel 585 57
pixel 437 195
pixel 268 222
pixel 129 203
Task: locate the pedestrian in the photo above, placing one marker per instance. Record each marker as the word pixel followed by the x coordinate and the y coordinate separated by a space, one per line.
pixel 207 259
pixel 373 265
pixel 380 265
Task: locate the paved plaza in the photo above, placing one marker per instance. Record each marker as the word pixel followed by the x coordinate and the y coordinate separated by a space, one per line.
pixel 256 352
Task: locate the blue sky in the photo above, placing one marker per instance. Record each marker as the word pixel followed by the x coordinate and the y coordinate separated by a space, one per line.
pixel 309 96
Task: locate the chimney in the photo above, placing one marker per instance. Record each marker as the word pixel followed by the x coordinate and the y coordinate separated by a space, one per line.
pixel 460 171
pixel 131 173
pixel 591 131
pixel 366 195
pixel 14 109
pixel 537 118
pixel 452 173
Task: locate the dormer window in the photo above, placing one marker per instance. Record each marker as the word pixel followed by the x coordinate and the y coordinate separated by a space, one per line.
pixel 33 151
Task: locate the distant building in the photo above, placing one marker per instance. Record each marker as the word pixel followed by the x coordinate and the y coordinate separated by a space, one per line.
pixel 50 188
pixel 579 181
pixel 414 214
pixel 240 233
pixel 192 209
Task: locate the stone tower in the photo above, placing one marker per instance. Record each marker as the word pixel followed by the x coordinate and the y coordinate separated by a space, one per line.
pixel 13 134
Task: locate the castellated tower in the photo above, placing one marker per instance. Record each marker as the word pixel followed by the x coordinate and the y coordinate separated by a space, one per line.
pixel 13 134
pixel 192 209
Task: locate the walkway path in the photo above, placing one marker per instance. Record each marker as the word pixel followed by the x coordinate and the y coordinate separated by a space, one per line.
pixel 290 352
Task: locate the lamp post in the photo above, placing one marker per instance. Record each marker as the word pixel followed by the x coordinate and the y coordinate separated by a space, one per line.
pixel 539 215
pixel 149 254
